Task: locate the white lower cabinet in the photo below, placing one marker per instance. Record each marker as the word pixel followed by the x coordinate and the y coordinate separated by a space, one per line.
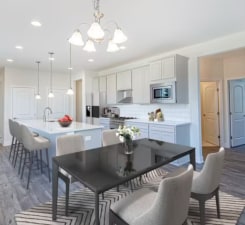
pixel 103 121
pixel 144 128
pixel 173 132
pixel 178 134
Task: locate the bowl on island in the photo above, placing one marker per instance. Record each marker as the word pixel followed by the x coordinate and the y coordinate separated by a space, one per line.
pixel 65 121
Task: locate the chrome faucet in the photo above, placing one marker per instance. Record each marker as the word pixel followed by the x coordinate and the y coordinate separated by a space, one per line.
pixel 44 113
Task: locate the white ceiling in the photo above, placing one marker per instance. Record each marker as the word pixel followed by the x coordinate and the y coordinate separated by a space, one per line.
pixel 152 27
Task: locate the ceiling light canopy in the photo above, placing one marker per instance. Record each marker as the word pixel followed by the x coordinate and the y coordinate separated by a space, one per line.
pixel 96 34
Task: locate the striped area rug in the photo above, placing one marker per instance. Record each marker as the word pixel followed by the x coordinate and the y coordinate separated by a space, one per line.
pixel 81 207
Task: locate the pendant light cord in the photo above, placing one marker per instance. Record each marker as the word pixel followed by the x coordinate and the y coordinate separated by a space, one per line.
pixel 70 67
pixel 38 77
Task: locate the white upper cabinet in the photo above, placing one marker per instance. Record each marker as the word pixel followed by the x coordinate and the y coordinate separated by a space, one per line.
pixel 111 91
pixel 95 84
pixel 140 85
pixel 124 80
pixel 156 70
pixel 169 68
pixel 102 84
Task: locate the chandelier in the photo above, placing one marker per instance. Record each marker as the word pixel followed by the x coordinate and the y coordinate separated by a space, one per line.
pixel 96 34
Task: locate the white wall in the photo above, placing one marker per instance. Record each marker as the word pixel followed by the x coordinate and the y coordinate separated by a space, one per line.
pixel 193 52
pixel 1 103
pixel 28 78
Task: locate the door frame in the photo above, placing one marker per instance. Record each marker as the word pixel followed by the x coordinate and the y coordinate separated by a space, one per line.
pixel 221 107
pixel 227 106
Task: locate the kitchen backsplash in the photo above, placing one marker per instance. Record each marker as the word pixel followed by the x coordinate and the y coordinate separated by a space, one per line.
pixel 175 112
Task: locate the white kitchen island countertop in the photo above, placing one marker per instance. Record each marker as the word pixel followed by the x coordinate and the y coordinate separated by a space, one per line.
pixel 55 128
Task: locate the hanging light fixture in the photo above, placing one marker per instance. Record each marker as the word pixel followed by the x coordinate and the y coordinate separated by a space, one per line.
pixel 96 34
pixel 70 91
pixel 38 96
pixel 51 58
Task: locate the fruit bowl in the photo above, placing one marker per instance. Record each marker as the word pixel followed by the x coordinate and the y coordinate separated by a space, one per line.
pixel 64 123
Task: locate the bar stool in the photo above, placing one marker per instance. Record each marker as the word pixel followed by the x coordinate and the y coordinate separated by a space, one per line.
pixel 31 145
pixel 11 130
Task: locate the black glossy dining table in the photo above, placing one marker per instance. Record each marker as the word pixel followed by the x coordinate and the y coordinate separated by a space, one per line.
pixel 107 167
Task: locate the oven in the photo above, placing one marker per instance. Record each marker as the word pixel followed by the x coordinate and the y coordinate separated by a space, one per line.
pixel 116 122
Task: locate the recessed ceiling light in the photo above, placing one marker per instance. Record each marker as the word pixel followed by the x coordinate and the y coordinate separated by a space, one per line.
pixel 19 47
pixel 36 23
pixel 90 60
pixel 70 68
pixel 122 47
pixel 10 60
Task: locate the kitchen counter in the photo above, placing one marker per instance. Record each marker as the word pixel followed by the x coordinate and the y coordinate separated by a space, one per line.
pixel 51 130
pixel 54 127
pixel 165 122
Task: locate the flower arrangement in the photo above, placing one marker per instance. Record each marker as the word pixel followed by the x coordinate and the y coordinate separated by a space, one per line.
pixel 127 134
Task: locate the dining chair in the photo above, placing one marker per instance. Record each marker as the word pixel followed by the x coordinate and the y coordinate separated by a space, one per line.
pixel 66 144
pixel 31 144
pixel 109 137
pixel 205 184
pixel 167 206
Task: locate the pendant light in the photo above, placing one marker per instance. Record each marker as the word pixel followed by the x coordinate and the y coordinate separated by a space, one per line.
pixel 51 58
pixel 38 96
pixel 70 91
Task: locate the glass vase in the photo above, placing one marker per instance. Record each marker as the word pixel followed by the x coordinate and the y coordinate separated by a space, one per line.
pixel 128 146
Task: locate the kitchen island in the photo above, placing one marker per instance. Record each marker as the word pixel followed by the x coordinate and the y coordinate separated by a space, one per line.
pixel 52 129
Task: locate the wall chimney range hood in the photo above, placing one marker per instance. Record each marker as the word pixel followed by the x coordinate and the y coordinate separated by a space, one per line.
pixel 124 96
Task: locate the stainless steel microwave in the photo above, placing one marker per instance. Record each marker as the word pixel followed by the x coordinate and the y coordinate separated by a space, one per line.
pixel 163 92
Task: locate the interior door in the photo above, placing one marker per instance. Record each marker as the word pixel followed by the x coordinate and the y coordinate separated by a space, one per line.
pixel 23 103
pixel 210 112
pixel 237 112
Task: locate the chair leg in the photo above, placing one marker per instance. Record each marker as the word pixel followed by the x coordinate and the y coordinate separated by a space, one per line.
pixel 17 153
pixel 217 203
pixel 30 169
pixel 21 157
pixel 67 197
pixel 36 153
pixel 48 165
pixel 24 163
pixel 202 212
pixel 11 148
pixel 15 150
pixel 41 161
pixel 131 186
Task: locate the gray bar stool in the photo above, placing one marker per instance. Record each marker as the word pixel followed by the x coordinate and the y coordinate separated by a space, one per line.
pixel 31 145
pixel 13 142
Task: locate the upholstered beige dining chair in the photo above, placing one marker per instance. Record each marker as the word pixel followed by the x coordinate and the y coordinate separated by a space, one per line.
pixel 64 145
pixel 168 206
pixel 109 137
pixel 205 184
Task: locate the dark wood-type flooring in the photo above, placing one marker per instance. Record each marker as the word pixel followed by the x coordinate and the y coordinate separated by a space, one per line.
pixel 15 198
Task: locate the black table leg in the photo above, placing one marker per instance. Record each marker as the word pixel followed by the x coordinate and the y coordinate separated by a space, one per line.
pixel 96 211
pixel 193 159
pixel 54 190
